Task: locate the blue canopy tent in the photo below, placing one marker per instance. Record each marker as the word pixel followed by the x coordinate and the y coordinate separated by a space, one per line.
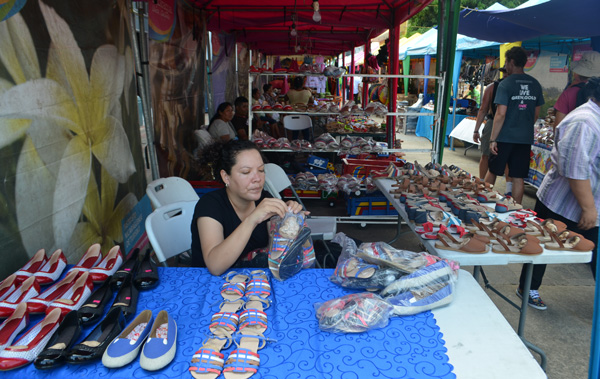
pixel 426 46
pixel 538 18
pixel 533 19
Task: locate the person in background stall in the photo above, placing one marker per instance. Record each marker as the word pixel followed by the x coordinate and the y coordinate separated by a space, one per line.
pixel 472 94
pixel 572 97
pixel 230 225
pixel 518 101
pixel 220 126
pixel 240 118
pixel 270 97
pixel 299 95
pixel 487 111
pixel 570 191
pixel 269 125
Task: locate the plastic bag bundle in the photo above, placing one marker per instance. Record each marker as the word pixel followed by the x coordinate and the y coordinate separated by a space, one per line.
pixel 290 246
pixel 382 254
pixel 354 313
pixel 281 143
pixel 356 273
pixel 425 289
pixel 306 181
pixel 300 144
pixel 326 141
pixel 353 272
pixel 376 108
pixel 370 185
pixel 348 184
pixel 328 182
pixel 438 271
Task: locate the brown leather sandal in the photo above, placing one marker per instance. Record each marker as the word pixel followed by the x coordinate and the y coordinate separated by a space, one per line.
pixel 568 240
pixel 468 245
pixel 519 244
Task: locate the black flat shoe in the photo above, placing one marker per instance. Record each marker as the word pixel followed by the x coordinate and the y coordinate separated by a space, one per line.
pixel 61 341
pixel 93 309
pixel 127 298
pixel 147 275
pixel 128 268
pixel 93 346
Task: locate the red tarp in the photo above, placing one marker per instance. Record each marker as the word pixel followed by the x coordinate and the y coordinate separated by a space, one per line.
pixel 265 25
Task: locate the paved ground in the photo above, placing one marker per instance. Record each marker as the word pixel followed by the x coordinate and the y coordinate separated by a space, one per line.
pixel 563 330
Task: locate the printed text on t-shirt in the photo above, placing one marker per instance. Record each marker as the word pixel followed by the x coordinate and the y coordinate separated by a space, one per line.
pixel 523 95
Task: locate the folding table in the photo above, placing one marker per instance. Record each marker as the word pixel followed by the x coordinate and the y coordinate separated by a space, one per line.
pixel 491 259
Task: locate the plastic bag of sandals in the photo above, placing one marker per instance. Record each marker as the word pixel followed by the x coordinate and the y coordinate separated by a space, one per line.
pixel 290 246
pixel 425 289
pixel 328 182
pixel 358 274
pixel 354 313
pixel 353 272
pixel 380 253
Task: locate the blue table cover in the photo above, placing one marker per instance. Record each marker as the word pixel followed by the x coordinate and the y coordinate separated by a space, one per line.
pixel 425 124
pixel 409 347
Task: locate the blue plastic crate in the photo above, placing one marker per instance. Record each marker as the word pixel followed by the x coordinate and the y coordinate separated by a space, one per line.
pixel 370 206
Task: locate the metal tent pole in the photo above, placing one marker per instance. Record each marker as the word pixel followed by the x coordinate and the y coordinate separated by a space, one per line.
pixel 143 76
pixel 448 22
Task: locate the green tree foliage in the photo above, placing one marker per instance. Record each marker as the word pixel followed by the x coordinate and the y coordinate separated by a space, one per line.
pixel 428 17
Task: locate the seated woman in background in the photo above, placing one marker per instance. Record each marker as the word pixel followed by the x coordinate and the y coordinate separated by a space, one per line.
pixel 230 225
pixel 220 126
pixel 299 95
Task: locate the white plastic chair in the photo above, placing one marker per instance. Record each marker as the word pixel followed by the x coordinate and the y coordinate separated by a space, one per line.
pixel 322 228
pixel 169 190
pixel 169 229
pixel 298 122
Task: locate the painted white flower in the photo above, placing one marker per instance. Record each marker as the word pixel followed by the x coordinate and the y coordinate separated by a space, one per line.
pixel 102 223
pixel 72 113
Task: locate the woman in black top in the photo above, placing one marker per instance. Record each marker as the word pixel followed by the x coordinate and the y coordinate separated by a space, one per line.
pixel 230 224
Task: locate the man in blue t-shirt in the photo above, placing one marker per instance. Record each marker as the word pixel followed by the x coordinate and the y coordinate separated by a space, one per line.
pixel 518 101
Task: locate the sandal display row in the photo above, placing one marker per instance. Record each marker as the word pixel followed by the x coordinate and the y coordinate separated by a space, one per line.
pixel 249 291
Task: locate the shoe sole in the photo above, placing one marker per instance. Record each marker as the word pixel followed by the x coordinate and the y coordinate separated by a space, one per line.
pixel 154 364
pixel 531 305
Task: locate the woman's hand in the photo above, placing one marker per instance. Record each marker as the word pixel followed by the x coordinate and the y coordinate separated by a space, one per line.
pixel 295 207
pixel 588 218
pixel 268 208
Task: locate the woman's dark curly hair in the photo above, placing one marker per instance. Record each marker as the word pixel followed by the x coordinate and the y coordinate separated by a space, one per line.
pixel 223 155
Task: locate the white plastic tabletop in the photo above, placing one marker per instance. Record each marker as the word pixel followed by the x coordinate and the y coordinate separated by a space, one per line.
pixel 480 342
pixel 489 258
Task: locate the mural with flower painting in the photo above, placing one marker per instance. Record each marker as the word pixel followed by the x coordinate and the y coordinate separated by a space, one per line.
pixel 70 149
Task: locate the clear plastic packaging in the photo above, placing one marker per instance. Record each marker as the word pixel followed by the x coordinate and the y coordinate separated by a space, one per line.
pixel 290 246
pixel 348 184
pixel 425 289
pixel 440 271
pixel 382 254
pixel 354 313
pixel 328 182
pixel 356 273
pixel 353 272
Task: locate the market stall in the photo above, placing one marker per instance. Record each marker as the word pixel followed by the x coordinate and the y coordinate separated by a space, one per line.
pixel 443 343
